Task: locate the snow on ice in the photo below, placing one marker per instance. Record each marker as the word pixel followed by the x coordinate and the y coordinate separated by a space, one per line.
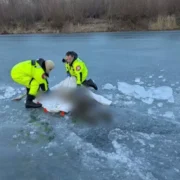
pixel 8 92
pixel 137 80
pixel 160 104
pixel 147 95
pixel 169 115
pixel 160 77
pixel 109 86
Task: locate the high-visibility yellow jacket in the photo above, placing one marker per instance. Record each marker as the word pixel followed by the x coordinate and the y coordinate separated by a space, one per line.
pixel 78 69
pixel 30 74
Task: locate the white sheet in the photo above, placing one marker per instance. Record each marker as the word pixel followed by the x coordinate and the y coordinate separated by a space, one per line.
pixel 54 104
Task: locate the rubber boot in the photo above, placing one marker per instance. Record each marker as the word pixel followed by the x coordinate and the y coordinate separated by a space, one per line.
pixel 91 83
pixel 30 103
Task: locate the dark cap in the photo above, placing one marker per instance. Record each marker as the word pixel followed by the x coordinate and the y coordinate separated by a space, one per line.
pixel 72 53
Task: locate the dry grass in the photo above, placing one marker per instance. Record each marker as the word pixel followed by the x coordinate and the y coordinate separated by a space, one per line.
pixel 91 25
pixel 73 15
pixel 164 23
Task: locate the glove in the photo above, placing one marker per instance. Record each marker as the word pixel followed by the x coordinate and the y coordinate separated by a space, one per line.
pixel 48 91
pixel 63 60
pixel 68 74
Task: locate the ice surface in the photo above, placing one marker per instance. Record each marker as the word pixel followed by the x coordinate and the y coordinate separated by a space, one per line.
pixel 147 95
pixel 141 83
pixel 8 92
pixel 148 100
pixel 89 150
pixel 109 96
pixel 160 77
pixel 137 80
pixel 115 102
pixel 169 114
pixel 160 104
pixel 129 103
pixel 164 80
pixel 109 86
pixel 117 96
pixel 150 111
pixel 128 97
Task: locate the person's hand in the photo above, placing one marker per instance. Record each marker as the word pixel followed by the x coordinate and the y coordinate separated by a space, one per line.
pixel 63 60
pixel 48 91
pixel 68 74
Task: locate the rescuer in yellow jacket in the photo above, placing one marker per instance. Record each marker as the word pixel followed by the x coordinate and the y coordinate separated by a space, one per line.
pixel 33 75
pixel 77 68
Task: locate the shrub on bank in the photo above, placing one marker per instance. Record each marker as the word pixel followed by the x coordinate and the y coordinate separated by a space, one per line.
pixel 153 14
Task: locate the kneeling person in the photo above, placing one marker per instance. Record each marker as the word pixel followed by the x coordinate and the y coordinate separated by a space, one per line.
pixel 33 75
pixel 77 68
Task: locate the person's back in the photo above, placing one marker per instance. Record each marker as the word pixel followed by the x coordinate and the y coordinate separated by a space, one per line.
pixel 22 68
pixel 33 75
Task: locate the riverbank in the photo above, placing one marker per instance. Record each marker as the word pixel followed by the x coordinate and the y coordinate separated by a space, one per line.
pixel 95 25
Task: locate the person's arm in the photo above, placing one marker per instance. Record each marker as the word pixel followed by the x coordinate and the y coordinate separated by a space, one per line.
pixel 66 66
pixel 44 85
pixel 41 78
pixel 67 70
pixel 78 70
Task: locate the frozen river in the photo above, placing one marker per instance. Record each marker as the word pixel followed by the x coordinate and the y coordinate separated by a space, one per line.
pixel 138 71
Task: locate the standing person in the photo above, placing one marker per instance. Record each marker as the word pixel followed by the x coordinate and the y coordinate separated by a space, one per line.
pixel 77 68
pixel 33 75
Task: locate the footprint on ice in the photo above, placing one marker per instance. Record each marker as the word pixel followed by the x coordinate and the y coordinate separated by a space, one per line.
pixel 177 82
pixel 109 86
pixel 160 77
pixel 172 85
